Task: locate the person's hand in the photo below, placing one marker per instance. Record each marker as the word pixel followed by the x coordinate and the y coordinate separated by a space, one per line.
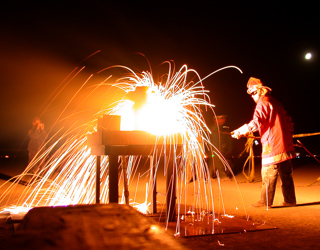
pixel 238 133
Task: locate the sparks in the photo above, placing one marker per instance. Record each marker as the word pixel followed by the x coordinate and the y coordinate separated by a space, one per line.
pixel 171 105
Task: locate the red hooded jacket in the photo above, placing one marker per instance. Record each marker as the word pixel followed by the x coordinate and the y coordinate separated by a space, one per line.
pixel 276 130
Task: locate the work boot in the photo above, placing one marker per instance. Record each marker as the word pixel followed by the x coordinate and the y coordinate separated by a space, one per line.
pixel 259 204
pixel 286 204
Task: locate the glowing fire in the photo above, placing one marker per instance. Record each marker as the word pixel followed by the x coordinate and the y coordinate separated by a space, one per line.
pixel 159 115
pixel 162 109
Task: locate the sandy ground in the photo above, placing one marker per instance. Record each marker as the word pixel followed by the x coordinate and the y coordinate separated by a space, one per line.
pixel 296 227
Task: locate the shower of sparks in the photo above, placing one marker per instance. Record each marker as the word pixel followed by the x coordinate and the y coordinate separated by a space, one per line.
pixel 143 207
pixel 66 172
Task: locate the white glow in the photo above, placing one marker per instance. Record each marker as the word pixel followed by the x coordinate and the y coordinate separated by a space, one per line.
pixel 160 115
pixel 308 56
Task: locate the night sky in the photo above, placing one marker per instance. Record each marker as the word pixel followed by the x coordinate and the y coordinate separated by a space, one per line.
pixel 41 44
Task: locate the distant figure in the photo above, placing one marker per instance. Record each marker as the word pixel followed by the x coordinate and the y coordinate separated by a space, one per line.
pixel 276 130
pixel 37 136
pixel 220 138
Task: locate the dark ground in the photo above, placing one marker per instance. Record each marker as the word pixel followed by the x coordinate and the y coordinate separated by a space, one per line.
pixel 296 227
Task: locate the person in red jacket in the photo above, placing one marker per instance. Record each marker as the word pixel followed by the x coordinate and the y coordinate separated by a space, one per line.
pixel 276 130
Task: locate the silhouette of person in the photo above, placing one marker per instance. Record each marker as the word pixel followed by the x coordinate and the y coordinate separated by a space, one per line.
pixel 37 136
pixel 220 138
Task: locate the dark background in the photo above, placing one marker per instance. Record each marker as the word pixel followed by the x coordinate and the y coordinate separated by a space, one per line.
pixel 42 43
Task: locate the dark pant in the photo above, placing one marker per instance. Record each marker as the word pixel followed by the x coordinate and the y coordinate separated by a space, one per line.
pixel 269 182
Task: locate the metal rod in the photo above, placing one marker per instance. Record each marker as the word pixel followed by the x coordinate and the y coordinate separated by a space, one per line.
pixel 98 160
pixel 171 189
pixel 113 179
pixel 125 179
pixel 153 181
pixel 308 151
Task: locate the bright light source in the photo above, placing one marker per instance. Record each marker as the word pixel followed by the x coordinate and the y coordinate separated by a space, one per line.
pixel 308 56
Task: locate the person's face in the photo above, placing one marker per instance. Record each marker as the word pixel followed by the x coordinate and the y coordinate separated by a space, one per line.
pixel 255 95
pixel 221 121
pixel 36 123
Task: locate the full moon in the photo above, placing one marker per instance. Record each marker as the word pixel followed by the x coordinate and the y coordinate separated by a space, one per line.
pixel 308 56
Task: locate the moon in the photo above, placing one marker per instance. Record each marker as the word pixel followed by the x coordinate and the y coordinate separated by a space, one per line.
pixel 308 56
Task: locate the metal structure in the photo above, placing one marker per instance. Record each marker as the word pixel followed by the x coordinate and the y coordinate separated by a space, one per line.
pixel 109 140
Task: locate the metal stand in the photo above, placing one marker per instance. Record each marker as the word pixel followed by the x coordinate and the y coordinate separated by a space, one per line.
pixel 114 188
pixel 110 141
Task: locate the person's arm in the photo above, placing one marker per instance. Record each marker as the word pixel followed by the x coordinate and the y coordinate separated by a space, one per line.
pixel 259 116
